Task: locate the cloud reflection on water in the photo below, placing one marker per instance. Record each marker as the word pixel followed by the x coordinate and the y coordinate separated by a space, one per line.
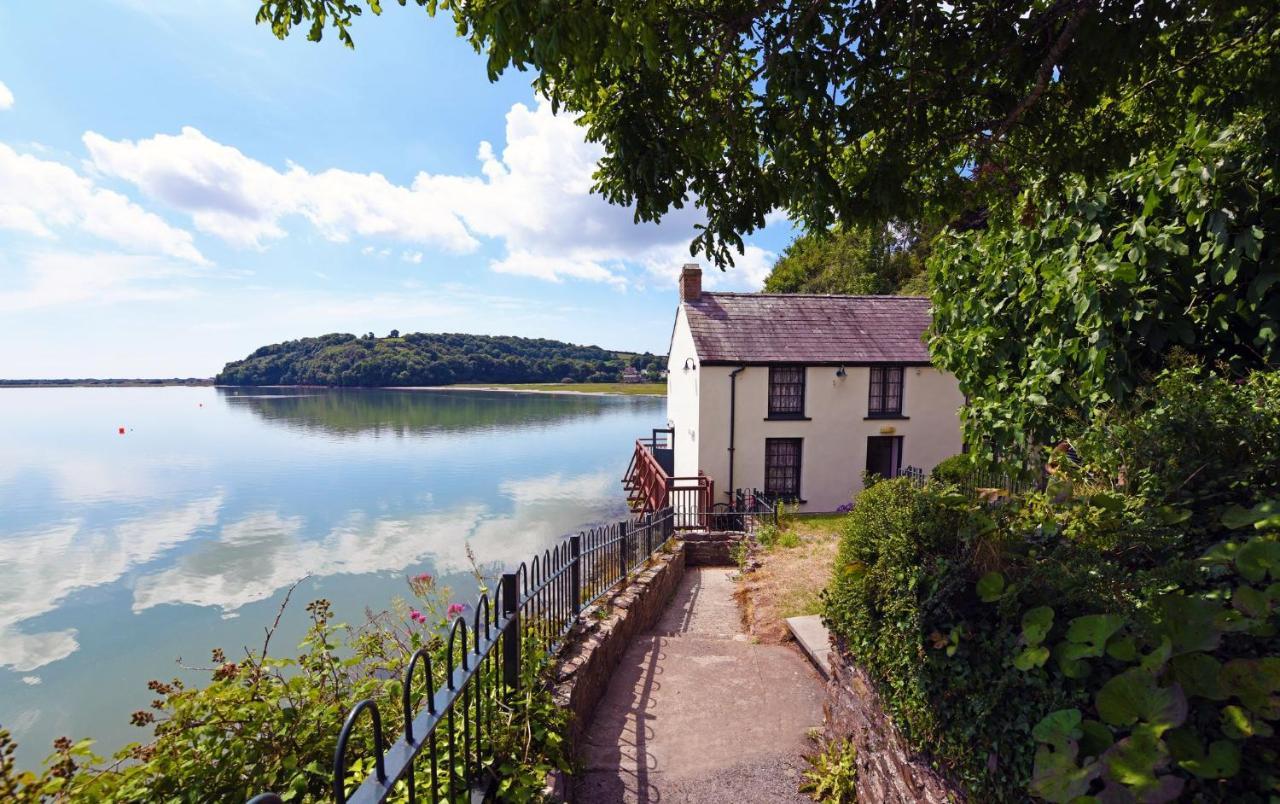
pixel 42 568
pixel 264 552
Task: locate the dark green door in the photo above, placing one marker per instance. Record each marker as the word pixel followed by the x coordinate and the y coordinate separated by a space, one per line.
pixel 884 455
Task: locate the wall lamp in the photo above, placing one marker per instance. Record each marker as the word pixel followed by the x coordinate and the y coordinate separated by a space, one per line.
pixel 841 373
pixel 689 365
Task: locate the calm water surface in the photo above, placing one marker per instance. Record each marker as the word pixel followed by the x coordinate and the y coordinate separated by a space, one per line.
pixel 121 553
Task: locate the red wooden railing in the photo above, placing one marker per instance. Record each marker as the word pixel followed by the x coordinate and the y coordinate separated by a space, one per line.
pixel 649 488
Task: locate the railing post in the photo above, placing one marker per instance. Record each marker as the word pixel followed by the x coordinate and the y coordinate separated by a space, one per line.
pixel 575 572
pixel 624 532
pixel 512 637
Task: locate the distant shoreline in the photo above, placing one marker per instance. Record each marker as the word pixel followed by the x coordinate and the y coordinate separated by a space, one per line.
pixel 108 383
pixel 596 389
pixel 587 389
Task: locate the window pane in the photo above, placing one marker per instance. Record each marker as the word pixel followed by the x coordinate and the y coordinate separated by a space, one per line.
pixel 782 466
pixel 786 389
pixel 893 391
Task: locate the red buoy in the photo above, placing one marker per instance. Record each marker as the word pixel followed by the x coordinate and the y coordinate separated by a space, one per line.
pixel 121 431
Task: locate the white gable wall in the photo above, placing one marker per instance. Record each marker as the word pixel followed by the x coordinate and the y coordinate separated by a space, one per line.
pixel 682 397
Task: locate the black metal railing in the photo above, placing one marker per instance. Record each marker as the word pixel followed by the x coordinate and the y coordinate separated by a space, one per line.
pixel 446 751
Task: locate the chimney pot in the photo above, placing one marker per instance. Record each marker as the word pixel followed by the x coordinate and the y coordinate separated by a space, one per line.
pixel 690 283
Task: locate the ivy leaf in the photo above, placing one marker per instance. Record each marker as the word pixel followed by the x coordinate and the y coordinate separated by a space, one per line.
pixel 1036 624
pixel 1134 695
pixel 1190 623
pixel 1221 762
pixel 1134 762
pixel 1057 778
pixel 1249 601
pixel 1092 631
pixel 990 587
pixel 1095 738
pixel 1256 683
pixel 1241 725
pixel 1058 728
pixel 1257 557
pixel 1069 662
pixel 1200 675
pixel 1122 648
pixel 1028 658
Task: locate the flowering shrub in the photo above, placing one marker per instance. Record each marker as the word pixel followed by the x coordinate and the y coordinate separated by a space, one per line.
pixel 269 723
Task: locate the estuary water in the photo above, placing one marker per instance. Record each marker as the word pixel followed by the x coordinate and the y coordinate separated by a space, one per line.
pixel 121 552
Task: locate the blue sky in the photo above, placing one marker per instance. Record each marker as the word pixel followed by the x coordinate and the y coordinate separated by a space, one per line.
pixel 177 187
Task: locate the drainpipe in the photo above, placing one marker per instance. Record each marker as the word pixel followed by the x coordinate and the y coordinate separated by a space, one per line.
pixel 733 396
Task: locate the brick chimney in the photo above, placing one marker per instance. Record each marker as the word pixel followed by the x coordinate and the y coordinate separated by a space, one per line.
pixel 690 282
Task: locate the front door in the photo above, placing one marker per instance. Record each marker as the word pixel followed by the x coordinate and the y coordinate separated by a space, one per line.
pixel 884 455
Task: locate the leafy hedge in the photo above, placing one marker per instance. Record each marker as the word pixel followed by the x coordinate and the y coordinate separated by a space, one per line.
pixel 1113 636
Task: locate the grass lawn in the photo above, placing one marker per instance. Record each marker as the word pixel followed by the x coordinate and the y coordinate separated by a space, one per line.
pixel 626 388
pixel 795 565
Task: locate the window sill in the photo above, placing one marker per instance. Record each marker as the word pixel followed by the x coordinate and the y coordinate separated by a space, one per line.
pixel 889 416
pixel 787 417
pixel 789 500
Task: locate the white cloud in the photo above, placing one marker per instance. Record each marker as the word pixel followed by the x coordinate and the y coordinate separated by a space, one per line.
pixel 58 278
pixel 414 257
pixel 534 198
pixel 244 201
pixel 42 197
pixel 6 97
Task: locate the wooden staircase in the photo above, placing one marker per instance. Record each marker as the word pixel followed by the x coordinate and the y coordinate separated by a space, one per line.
pixel 650 486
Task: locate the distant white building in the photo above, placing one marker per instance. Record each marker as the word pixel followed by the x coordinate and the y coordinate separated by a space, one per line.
pixel 797 395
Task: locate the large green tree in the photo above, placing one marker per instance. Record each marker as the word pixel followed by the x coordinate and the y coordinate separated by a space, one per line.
pixel 858 110
pixel 858 259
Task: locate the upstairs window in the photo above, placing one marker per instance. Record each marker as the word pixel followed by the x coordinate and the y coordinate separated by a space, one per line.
pixel 886 391
pixel 786 391
pixel 782 467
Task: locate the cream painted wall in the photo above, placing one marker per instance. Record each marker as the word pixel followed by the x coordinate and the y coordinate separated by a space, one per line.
pixel 833 453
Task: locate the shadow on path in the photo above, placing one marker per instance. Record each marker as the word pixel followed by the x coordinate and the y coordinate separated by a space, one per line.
pixel 697 713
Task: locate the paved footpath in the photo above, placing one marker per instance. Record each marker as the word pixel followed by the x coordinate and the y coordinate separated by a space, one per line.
pixel 698 713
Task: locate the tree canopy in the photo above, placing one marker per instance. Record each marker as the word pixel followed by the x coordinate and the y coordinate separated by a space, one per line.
pixel 839 112
pixel 429 359
pixel 859 259
pixel 1054 311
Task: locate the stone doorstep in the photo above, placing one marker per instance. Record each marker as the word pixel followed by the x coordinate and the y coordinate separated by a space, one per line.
pixel 814 640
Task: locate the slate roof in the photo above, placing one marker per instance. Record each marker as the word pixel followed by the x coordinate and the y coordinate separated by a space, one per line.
pixel 811 329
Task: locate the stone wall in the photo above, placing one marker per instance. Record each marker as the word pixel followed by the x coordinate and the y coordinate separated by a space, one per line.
pixel 888 771
pixel 711 549
pixel 604 631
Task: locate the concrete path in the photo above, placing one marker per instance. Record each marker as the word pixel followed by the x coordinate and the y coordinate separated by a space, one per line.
pixel 697 713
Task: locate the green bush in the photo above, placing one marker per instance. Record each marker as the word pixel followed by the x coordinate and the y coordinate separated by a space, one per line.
pixel 270 724
pixel 955 470
pixel 1113 635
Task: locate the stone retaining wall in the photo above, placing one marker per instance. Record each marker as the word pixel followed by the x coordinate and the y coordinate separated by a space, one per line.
pixel 604 631
pixel 888 771
pixel 711 549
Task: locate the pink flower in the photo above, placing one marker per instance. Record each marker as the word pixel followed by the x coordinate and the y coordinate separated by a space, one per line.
pixel 455 609
pixel 422 577
pixel 417 616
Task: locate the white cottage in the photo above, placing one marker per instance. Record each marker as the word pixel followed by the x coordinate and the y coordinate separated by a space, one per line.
pixel 797 395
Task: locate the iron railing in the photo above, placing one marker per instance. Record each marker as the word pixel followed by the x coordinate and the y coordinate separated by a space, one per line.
pixel 451 729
